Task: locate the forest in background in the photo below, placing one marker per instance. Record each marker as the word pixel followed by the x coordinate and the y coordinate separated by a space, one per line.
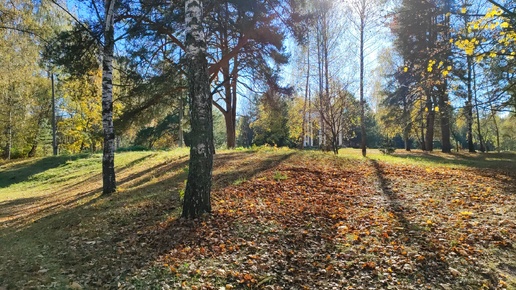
pixel 283 73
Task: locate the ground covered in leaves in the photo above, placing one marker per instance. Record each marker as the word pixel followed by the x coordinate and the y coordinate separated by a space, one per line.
pixel 281 219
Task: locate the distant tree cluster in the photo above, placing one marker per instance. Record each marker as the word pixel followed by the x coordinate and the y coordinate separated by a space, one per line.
pixel 451 69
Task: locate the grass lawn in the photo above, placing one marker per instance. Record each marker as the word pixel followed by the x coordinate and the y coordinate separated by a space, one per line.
pixel 282 219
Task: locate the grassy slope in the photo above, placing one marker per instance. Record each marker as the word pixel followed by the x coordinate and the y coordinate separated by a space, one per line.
pixel 281 218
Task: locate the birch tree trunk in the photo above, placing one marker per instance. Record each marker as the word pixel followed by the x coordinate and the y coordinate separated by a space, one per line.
pixel 363 140
pixel 480 138
pixel 108 156
pixel 197 193
pixel 307 88
pixel 469 107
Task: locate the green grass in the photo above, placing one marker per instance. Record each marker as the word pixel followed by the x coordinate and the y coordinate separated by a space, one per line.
pixel 55 228
pixel 491 160
pixel 47 203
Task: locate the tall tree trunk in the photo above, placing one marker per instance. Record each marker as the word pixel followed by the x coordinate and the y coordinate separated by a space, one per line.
pixel 197 193
pixel 180 136
pixel 35 140
pixel 9 132
pixel 422 125
pixel 480 138
pixel 407 125
pixel 108 156
pixel 320 60
pixel 54 122
pixel 231 135
pixel 444 110
pixel 497 131
pixel 443 96
pixel 326 69
pixel 307 88
pixel 469 107
pixel 406 137
pixel 362 101
pixel 430 120
pixel 230 130
pixel 230 101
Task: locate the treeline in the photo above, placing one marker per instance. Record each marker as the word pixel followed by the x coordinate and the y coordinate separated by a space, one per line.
pixel 450 75
pixel 432 76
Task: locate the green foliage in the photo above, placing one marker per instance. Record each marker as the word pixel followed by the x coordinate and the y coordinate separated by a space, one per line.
pixel 279 176
pixel 23 84
pixel 163 135
pixel 219 129
pixel 239 181
pixel 508 133
pixel 75 51
pixel 271 125
pixel 80 126
pixel 295 119
pixel 134 148
pixel 373 131
pixel 387 146
pixel 245 133
pixel 182 190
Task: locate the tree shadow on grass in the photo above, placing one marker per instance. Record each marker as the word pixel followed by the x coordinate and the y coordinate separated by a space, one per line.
pixel 246 166
pixel 432 267
pixel 100 241
pixel 481 160
pixel 19 212
pixel 24 170
pixel 501 166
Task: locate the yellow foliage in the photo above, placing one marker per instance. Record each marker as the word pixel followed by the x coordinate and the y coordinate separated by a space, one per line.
pixel 431 63
pixel 82 104
pixel 493 20
pixel 493 12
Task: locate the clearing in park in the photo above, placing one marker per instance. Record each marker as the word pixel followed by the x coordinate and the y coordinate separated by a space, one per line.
pixel 282 219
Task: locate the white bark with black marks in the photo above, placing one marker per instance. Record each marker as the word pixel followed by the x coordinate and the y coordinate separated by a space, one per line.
pixel 108 156
pixel 197 199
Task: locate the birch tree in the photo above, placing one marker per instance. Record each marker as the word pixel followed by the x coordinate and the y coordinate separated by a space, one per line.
pixel 365 15
pixel 108 155
pixel 197 198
